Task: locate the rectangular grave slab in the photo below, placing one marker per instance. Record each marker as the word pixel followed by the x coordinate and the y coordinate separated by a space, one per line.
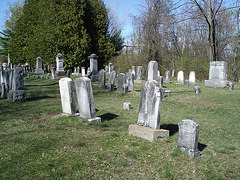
pixel 16 95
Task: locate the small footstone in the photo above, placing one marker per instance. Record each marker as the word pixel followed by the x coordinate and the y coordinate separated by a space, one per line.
pixel 197 89
pixel 147 133
pixel 230 86
pixel 127 105
pixel 96 119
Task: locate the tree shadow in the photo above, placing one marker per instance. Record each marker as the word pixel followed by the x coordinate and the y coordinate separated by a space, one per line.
pixel 173 128
pixel 35 98
pixel 201 146
pixel 108 116
pixel 42 84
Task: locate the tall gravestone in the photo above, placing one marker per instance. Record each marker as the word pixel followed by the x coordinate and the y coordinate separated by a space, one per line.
pixel 93 67
pixel 59 62
pixel 39 69
pixel 188 138
pixel 152 71
pixel 167 76
pixel 83 71
pixel 192 77
pixel 53 73
pixel 102 79
pixel 180 77
pixel 217 74
pixel 134 71
pixel 17 93
pixel 139 74
pixel 121 81
pixel 85 100
pixel 67 96
pixel 111 81
pixel 130 81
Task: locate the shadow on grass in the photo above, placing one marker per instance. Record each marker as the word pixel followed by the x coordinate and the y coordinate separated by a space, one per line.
pixel 173 128
pixel 201 146
pixel 108 116
pixel 43 84
pixel 35 98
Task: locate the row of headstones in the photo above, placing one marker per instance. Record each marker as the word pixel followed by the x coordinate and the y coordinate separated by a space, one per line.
pixel 12 83
pixel 180 77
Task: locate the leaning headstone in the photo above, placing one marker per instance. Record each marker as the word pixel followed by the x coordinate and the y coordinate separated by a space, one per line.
pixel 85 100
pixel 130 81
pixel 39 69
pixel 121 81
pixel 192 77
pixel 197 89
pixel 83 71
pixel 180 77
pixel 59 62
pixel 217 74
pixel 102 79
pixel 111 81
pixel 126 105
pixel 93 67
pixel 186 83
pixel 152 71
pixel 230 86
pixel 167 76
pixel 125 89
pixel 67 96
pixel 188 138
pixel 53 73
pixel 139 74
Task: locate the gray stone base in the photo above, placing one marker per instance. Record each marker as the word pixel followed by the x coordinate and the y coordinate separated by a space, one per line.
pixel 16 95
pixel 39 71
pixel 216 83
pixel 192 153
pixel 148 133
pixel 96 119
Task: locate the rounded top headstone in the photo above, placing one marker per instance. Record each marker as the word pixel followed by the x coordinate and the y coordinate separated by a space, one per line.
pixel 93 56
pixel 59 55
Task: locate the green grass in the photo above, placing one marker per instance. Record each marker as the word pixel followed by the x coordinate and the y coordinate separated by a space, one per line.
pixel 38 143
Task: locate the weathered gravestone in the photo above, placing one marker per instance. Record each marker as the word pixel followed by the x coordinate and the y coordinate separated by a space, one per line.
pixel 148 125
pixel 53 73
pixel 217 74
pixel 111 81
pixel 230 86
pixel 17 93
pixel 160 81
pixel 126 105
pixel 188 138
pixel 5 79
pixel 67 96
pixel 69 72
pixel 180 77
pixel 121 81
pixel 85 100
pixel 93 67
pixel 152 71
pixel 130 81
pixel 192 77
pixel 139 74
pixel 186 83
pixel 134 72
pixel 88 71
pixel 59 62
pixel 125 89
pixel 102 79
pixel 167 76
pixel 197 89
pixel 39 69
pixel 83 71
pixel 4 65
pixel 4 91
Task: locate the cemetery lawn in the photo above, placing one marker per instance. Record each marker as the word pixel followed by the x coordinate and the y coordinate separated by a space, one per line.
pixel 37 142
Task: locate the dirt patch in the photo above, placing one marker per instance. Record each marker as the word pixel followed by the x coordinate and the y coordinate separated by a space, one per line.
pixel 52 116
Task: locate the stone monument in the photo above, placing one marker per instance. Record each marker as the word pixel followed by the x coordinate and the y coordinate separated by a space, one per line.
pixel 93 67
pixel 130 81
pixel 102 79
pixel 121 81
pixel 167 76
pixel 39 69
pixel 60 68
pixel 180 77
pixel 217 74
pixel 192 77
pixel 152 71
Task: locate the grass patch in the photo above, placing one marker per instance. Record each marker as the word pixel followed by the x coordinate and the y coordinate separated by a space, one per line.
pixel 37 142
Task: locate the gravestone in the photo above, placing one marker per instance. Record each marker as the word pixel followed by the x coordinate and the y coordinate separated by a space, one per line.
pixel 167 76
pixel 126 105
pixel 88 71
pixel 152 71
pixel 5 79
pixel 67 96
pixel 93 67
pixel 121 81
pixel 188 138
pixel 4 92
pixel 102 79
pixel 78 70
pixel 180 77
pixel 83 71
pixel 106 69
pixel 173 71
pixel 186 83
pixel 217 74
pixel 110 66
pixel 10 74
pixel 192 77
pixel 28 75
pixel 69 72
pixel 48 74
pixel 230 86
pixel 53 73
pixel 39 69
pixel 134 71
pixel 125 89
pixel 4 65
pixel 160 81
pixel 111 81
pixel 59 62
pixel 85 100
pixel 139 74
pixel 197 89
pixel 130 81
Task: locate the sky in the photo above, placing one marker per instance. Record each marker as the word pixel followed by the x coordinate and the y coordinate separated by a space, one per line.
pixel 123 8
